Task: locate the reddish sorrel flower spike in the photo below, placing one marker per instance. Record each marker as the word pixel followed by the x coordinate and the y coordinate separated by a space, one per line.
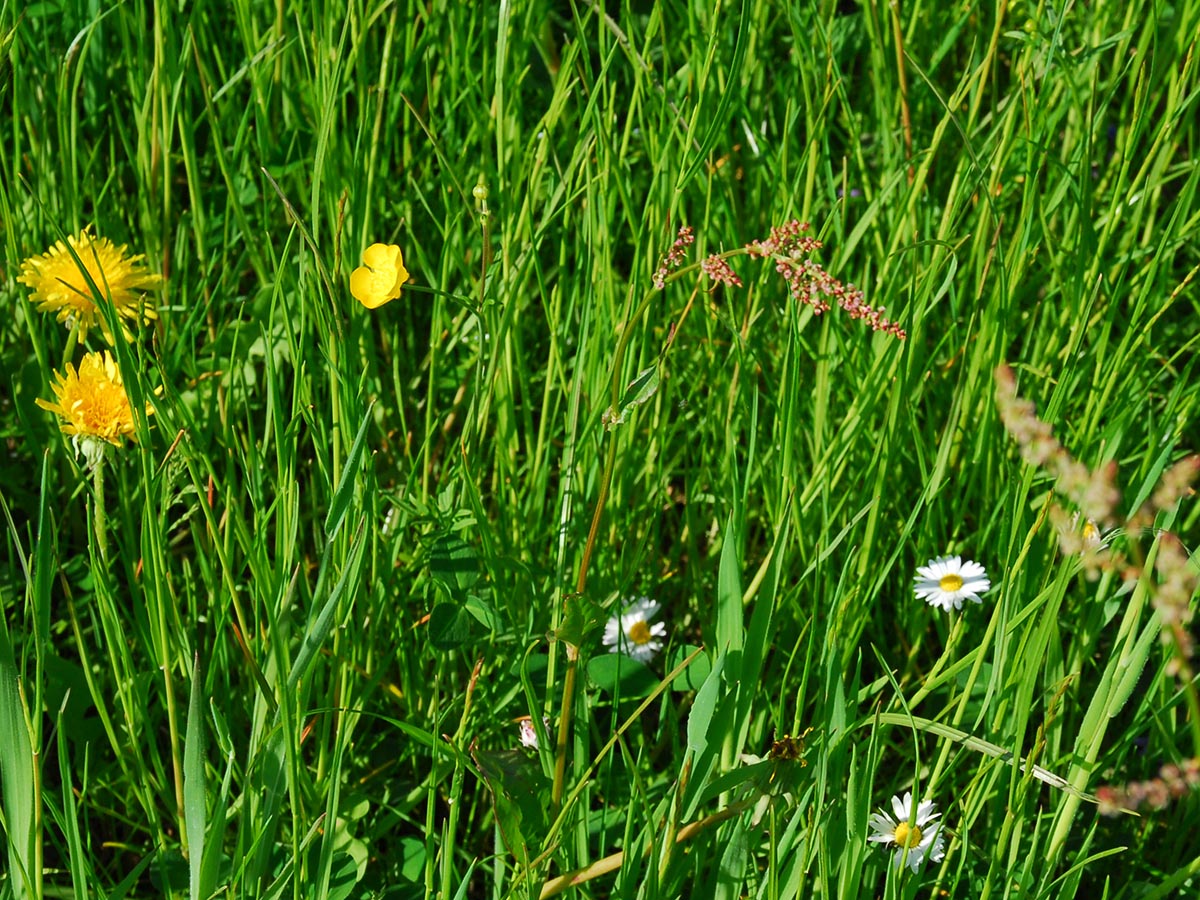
pixel 719 270
pixel 791 246
pixel 675 256
pixel 1173 782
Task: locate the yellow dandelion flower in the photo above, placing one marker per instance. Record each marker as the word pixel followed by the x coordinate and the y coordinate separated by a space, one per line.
pixel 91 402
pixel 380 277
pixel 59 285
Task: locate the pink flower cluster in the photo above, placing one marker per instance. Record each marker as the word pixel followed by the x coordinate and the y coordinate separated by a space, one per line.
pixel 1176 483
pixel 1094 491
pixel 1171 784
pixel 1096 494
pixel 1173 600
pixel 716 268
pixel 789 239
pixel 675 256
pixel 792 247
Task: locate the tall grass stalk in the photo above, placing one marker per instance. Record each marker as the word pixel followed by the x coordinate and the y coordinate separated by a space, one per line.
pixel 280 646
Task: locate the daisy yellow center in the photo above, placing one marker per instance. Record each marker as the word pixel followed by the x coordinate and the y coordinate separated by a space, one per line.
pixel 1091 532
pixel 639 633
pixel 906 835
pixel 951 582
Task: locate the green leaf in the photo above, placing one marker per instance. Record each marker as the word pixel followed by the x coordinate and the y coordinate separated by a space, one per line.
pixel 731 633
pixel 1134 663
pixel 692 678
pixel 319 626
pixel 130 880
pixel 642 388
pixel 69 817
pixel 450 626
pixel 343 878
pixel 731 875
pixel 485 613
pixel 616 673
pixel 193 788
pixel 637 392
pixel 350 472
pixel 979 745
pixel 718 123
pixel 520 799
pixel 703 707
pixel 16 772
pixel 308 239
pixel 214 858
pixel 580 617
pixel 412 852
pixel 453 564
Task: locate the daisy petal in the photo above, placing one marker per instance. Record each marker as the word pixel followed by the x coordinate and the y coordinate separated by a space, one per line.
pixel 630 632
pixel 945 582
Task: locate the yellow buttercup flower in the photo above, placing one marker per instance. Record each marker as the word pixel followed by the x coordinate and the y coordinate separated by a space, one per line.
pixel 380 277
pixel 59 285
pixel 91 402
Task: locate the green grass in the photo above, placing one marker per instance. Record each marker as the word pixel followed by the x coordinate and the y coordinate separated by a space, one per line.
pixel 351 548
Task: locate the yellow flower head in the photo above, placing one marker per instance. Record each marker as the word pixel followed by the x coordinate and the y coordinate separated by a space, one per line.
pixel 92 402
pixel 380 277
pixel 59 285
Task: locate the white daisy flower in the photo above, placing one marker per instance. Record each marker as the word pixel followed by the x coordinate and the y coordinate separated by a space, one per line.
pixel 947 580
pixel 631 632
pixel 917 832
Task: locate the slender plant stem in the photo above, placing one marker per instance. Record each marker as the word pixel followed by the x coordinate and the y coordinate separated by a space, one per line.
pixel 100 520
pixel 614 861
pixel 610 462
pixel 172 722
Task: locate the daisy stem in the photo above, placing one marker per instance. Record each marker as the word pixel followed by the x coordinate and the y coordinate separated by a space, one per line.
pixel 946 657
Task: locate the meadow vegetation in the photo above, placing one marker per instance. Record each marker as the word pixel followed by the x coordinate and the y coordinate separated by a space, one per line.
pixel 725 316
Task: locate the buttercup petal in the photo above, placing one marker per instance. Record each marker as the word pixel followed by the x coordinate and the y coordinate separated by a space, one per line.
pixel 381 256
pixel 380 277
